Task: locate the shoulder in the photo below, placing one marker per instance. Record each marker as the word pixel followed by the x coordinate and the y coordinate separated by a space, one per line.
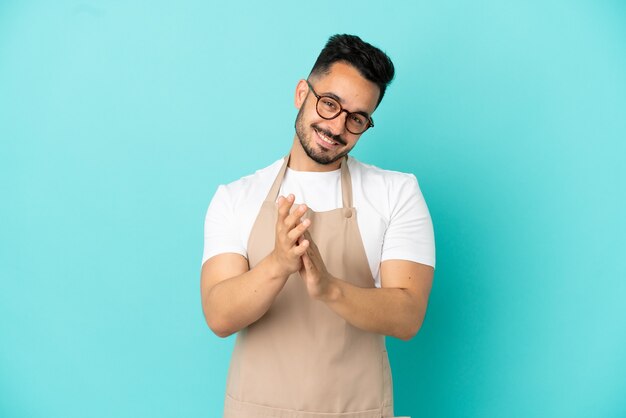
pixel 396 199
pixel 253 185
pixel 372 172
pixel 375 179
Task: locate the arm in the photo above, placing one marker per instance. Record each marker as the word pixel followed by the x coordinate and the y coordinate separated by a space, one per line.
pixel 396 309
pixel 234 296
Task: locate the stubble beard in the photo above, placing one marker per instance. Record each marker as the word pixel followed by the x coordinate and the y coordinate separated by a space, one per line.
pixel 323 157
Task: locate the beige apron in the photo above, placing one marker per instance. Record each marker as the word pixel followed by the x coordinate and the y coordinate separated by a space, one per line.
pixel 301 359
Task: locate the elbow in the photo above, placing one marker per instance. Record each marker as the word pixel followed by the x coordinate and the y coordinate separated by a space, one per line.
pixel 411 320
pixel 409 331
pixel 219 326
pixel 406 335
pixel 220 329
pixel 222 333
pixel 217 322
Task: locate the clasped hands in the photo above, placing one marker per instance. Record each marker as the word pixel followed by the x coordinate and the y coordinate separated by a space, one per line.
pixel 295 250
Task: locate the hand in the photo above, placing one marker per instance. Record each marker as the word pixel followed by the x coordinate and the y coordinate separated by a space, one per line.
pixel 313 271
pixel 289 245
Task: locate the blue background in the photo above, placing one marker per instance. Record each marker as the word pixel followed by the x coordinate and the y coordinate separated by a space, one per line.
pixel 118 119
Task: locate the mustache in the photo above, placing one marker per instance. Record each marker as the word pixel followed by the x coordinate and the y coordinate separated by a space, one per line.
pixel 329 134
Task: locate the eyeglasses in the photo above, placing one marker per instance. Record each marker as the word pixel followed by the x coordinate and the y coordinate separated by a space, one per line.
pixel 329 108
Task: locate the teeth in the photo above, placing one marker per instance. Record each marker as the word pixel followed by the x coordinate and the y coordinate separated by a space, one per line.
pixel 325 138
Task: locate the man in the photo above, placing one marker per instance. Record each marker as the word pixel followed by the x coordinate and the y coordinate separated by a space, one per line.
pixel 314 259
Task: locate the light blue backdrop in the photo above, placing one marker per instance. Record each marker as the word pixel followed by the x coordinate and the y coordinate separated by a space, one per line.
pixel 118 119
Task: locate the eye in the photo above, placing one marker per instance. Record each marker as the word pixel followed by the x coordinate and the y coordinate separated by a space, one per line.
pixel 329 104
pixel 358 119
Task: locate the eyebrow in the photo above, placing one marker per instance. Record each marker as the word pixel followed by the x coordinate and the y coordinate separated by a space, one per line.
pixel 333 95
pixel 340 100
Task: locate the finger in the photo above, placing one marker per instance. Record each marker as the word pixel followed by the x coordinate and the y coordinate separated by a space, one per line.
pixel 308 264
pixel 300 249
pixel 313 251
pixel 296 233
pixel 306 261
pixel 284 206
pixel 294 217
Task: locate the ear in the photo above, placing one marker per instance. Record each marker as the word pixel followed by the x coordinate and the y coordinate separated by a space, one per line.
pixel 301 91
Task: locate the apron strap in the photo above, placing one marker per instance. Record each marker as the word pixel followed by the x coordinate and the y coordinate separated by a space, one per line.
pixel 346 183
pixel 272 195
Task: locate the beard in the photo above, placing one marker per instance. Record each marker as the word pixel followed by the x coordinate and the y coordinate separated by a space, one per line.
pixel 323 156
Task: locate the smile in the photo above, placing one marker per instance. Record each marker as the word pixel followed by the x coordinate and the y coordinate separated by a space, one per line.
pixel 325 139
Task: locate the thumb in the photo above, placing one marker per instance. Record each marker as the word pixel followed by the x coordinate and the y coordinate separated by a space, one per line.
pixel 306 262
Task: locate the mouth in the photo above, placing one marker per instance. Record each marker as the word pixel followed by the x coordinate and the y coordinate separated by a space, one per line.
pixel 325 140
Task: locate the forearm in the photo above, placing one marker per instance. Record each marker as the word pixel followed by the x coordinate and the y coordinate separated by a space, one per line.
pixel 388 311
pixel 237 302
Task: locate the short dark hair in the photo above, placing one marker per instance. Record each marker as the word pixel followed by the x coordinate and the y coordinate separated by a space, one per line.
pixel 371 62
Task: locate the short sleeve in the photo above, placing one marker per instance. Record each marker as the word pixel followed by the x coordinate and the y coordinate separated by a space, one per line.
pixel 221 232
pixel 410 234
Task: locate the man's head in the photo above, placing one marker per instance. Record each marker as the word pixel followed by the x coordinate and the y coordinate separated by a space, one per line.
pixel 371 62
pixel 354 75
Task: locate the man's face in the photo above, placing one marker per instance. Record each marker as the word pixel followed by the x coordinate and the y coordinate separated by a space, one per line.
pixel 326 141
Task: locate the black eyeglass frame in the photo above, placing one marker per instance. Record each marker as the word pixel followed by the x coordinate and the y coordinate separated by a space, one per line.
pixel 341 109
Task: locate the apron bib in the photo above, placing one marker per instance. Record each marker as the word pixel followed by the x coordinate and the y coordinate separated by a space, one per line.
pixel 301 359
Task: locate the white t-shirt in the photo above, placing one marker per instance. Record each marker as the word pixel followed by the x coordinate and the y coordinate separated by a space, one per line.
pixel 391 212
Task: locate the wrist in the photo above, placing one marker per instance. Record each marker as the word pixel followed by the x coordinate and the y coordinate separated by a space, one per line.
pixel 333 291
pixel 275 271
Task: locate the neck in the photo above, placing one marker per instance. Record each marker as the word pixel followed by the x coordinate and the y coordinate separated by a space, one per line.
pixel 300 161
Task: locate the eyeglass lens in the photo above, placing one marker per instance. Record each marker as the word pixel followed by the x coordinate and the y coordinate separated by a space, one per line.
pixel 329 108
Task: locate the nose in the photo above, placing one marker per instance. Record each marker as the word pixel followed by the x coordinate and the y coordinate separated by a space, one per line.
pixel 338 124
